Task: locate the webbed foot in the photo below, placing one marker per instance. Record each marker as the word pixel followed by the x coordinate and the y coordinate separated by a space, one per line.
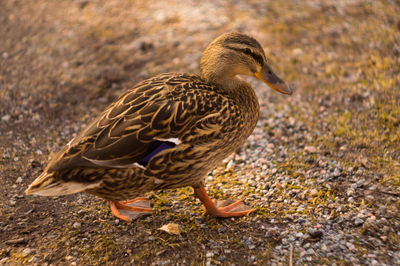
pixel 131 209
pixel 223 209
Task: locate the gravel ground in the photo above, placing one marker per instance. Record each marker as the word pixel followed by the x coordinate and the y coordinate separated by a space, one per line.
pixel 322 167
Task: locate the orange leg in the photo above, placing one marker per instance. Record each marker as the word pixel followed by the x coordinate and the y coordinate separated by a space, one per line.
pixel 235 209
pixel 131 209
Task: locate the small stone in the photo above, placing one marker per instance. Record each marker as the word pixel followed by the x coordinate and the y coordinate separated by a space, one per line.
pixel 76 225
pixel 311 149
pixel 297 51
pixel 336 172
pixel 229 165
pixel 19 180
pixel 116 221
pixel 36 117
pixel 313 192
pixel 251 259
pixel 35 259
pixel 358 221
pixel 5 118
pixel 350 192
pixel 324 248
pixel 310 251
pixel 69 257
pixel 209 254
pixel 35 164
pixel 351 246
pixel 4 260
pixel 27 252
pixel 315 234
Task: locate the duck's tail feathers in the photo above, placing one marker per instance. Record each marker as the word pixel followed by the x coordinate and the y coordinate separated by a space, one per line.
pixel 49 184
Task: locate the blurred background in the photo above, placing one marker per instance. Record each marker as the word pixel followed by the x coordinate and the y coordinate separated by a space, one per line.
pixel 334 141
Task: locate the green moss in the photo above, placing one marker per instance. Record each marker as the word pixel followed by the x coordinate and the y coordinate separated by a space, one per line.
pixel 343 124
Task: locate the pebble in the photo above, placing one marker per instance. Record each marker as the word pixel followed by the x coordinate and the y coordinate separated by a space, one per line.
pixel 315 233
pixel 5 118
pixel 297 51
pixel 27 252
pixel 3 261
pixel 336 173
pixel 311 149
pixel 76 225
pixel 251 259
pixel 358 221
pixel 35 259
pixel 209 254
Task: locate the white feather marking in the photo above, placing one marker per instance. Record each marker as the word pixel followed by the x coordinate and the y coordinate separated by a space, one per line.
pixel 173 140
pixel 139 165
pixel 111 163
pixel 69 143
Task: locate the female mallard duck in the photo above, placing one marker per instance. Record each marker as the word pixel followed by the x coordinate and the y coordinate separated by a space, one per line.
pixel 167 132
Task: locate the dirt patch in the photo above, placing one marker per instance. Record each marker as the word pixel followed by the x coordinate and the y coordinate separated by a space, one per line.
pixel 322 167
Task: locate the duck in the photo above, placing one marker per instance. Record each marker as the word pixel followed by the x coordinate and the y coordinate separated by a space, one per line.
pixel 168 131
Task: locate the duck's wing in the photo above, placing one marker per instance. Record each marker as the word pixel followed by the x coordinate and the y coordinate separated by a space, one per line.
pixel 152 116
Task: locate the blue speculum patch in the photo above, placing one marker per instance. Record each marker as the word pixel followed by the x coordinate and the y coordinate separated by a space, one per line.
pixel 155 148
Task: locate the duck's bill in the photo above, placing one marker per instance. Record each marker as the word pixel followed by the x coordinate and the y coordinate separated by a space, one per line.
pixel 273 81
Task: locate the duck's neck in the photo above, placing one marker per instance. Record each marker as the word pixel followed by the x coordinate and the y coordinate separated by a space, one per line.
pixel 239 90
pixel 215 70
pixel 228 83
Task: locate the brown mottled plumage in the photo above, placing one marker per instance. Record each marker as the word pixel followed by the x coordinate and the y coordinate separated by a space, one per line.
pixel 191 123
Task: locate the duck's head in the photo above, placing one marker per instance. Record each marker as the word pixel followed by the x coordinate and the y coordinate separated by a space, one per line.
pixel 234 54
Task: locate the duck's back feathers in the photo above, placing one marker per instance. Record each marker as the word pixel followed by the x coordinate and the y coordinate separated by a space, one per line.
pixel 156 115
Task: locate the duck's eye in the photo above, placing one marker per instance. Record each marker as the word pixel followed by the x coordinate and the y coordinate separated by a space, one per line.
pixel 248 51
